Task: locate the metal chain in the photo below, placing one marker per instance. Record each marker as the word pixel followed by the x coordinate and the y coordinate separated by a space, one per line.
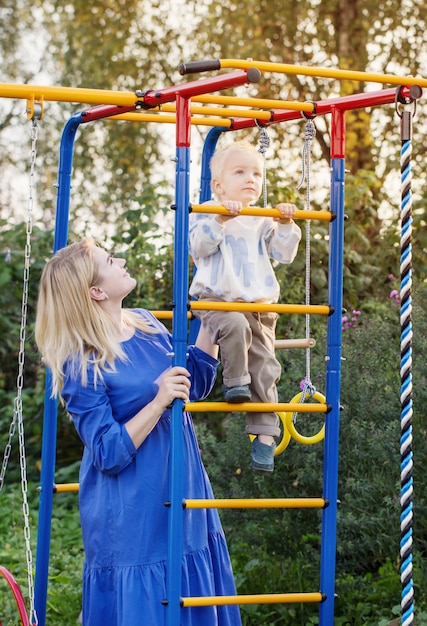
pixel 310 133
pixel 17 407
pixel 264 144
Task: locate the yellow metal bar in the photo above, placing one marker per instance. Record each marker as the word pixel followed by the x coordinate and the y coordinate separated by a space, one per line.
pixel 324 72
pixel 166 315
pixel 267 211
pixel 262 103
pixel 257 307
pixel 168 119
pixel 256 503
pixel 66 488
pixel 68 94
pixel 263 598
pixel 228 112
pixel 257 407
pixel 284 344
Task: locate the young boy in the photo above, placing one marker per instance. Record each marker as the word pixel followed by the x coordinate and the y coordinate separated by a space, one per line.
pixel 232 256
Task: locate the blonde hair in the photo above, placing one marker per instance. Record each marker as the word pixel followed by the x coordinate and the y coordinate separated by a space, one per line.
pixel 70 324
pixel 219 158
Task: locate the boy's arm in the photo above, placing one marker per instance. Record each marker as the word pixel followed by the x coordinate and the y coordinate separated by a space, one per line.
pixel 207 231
pixel 283 239
pixel 205 235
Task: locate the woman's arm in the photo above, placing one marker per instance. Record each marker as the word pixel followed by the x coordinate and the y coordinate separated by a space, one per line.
pixel 174 383
pixel 112 445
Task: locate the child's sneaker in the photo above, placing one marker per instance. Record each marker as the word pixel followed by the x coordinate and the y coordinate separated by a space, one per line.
pixel 262 456
pixel 235 395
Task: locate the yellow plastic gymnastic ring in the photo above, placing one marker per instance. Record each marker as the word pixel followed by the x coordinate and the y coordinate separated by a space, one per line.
pixel 290 426
pixel 286 437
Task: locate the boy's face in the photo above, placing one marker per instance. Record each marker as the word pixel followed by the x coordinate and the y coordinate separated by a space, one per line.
pixel 241 178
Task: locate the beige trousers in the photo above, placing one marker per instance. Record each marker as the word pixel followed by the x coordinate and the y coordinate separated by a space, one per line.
pixel 246 342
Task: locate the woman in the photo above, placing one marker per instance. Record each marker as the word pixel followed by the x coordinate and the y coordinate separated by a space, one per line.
pixel 112 367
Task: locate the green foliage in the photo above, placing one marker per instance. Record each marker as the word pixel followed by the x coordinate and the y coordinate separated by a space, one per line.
pixel 66 562
pixel 284 557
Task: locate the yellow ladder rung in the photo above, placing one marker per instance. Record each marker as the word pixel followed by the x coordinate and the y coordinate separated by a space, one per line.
pixel 286 344
pixel 258 307
pixel 256 503
pixel 66 488
pixel 257 407
pixel 264 598
pixel 326 216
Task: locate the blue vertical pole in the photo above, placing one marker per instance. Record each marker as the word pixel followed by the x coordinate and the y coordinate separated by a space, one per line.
pixel 333 373
pixel 205 194
pixel 208 151
pixel 179 339
pixel 47 477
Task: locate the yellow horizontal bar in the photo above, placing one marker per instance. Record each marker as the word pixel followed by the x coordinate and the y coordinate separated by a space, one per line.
pixel 256 503
pixel 263 598
pixel 228 112
pixel 167 119
pixel 257 307
pixel 324 72
pixel 267 211
pixel 66 488
pixel 262 103
pixel 257 407
pixel 68 94
pixel 284 344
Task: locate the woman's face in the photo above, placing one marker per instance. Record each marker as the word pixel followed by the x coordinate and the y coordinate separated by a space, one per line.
pixel 112 278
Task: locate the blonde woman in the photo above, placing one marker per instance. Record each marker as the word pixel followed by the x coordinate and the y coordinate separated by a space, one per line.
pixel 113 369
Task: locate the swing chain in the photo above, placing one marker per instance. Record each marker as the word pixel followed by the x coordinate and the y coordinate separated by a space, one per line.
pixel 310 133
pixel 264 144
pixel 17 407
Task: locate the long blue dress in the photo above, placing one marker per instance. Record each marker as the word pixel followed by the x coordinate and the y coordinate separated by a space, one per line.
pixel 123 490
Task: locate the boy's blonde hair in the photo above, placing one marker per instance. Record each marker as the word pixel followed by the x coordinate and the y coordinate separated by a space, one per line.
pixel 70 324
pixel 219 158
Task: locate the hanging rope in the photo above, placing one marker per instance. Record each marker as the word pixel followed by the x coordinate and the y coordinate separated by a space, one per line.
pixel 17 419
pixel 310 133
pixel 406 482
pixel 264 144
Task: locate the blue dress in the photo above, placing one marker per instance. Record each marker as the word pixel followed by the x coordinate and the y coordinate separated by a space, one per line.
pixel 123 490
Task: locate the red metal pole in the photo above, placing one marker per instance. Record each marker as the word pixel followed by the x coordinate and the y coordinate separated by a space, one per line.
pixel 338 133
pixel 199 87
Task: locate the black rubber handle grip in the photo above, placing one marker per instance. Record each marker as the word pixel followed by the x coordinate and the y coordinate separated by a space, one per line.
pixel 199 66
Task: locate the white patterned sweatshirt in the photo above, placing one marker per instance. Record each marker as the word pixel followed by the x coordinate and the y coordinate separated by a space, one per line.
pixel 233 260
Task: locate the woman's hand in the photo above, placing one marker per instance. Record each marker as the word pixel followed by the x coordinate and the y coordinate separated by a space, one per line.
pixel 175 383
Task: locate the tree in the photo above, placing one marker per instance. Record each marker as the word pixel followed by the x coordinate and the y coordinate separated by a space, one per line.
pixel 348 34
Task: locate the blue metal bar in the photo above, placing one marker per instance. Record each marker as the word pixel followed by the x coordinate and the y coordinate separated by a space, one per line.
pixel 208 151
pixel 45 504
pixel 333 382
pixel 205 194
pixel 66 152
pixel 179 340
pixel 47 478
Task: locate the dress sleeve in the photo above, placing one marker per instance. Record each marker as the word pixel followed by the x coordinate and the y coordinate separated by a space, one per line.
pixel 106 440
pixel 202 368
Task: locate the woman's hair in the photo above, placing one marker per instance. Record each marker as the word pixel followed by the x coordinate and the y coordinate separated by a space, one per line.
pixel 70 324
pixel 220 156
